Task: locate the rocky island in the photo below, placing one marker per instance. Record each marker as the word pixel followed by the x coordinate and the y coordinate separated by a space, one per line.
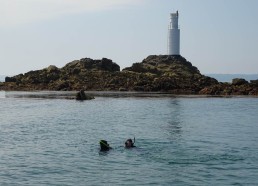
pixel 156 73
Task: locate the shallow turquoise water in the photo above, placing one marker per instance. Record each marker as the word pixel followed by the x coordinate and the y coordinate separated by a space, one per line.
pixel 180 141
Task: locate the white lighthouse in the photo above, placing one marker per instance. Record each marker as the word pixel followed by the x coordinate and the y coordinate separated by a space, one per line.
pixel 173 35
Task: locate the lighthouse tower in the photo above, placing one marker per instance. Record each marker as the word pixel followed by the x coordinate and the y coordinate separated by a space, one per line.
pixel 173 35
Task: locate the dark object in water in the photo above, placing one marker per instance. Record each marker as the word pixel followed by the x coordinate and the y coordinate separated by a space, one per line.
pixel 104 146
pixel 129 143
pixel 82 96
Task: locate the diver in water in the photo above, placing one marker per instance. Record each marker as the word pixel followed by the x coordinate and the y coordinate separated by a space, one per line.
pixel 104 146
pixel 129 143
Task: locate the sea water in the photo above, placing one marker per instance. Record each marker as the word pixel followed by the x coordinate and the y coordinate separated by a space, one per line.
pixel 180 140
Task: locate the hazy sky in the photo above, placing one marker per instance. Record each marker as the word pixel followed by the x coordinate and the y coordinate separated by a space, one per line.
pixel 217 36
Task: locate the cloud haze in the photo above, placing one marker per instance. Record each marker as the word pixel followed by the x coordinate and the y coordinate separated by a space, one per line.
pixel 15 12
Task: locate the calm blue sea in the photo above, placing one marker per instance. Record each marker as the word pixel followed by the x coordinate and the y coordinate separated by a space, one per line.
pixel 180 140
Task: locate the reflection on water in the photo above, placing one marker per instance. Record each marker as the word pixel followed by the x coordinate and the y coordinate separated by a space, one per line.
pixel 174 122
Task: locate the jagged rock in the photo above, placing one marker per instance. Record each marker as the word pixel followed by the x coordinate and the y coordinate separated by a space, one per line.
pixel 169 73
pixel 230 89
pixel 122 89
pixel 10 79
pixel 254 82
pixel 104 64
pixel 174 65
pixel 155 73
pixel 213 90
pixel 173 74
pixel 239 81
pixel 52 69
pixel 62 85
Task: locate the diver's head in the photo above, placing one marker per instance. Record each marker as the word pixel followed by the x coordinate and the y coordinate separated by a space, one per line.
pixel 104 146
pixel 129 143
